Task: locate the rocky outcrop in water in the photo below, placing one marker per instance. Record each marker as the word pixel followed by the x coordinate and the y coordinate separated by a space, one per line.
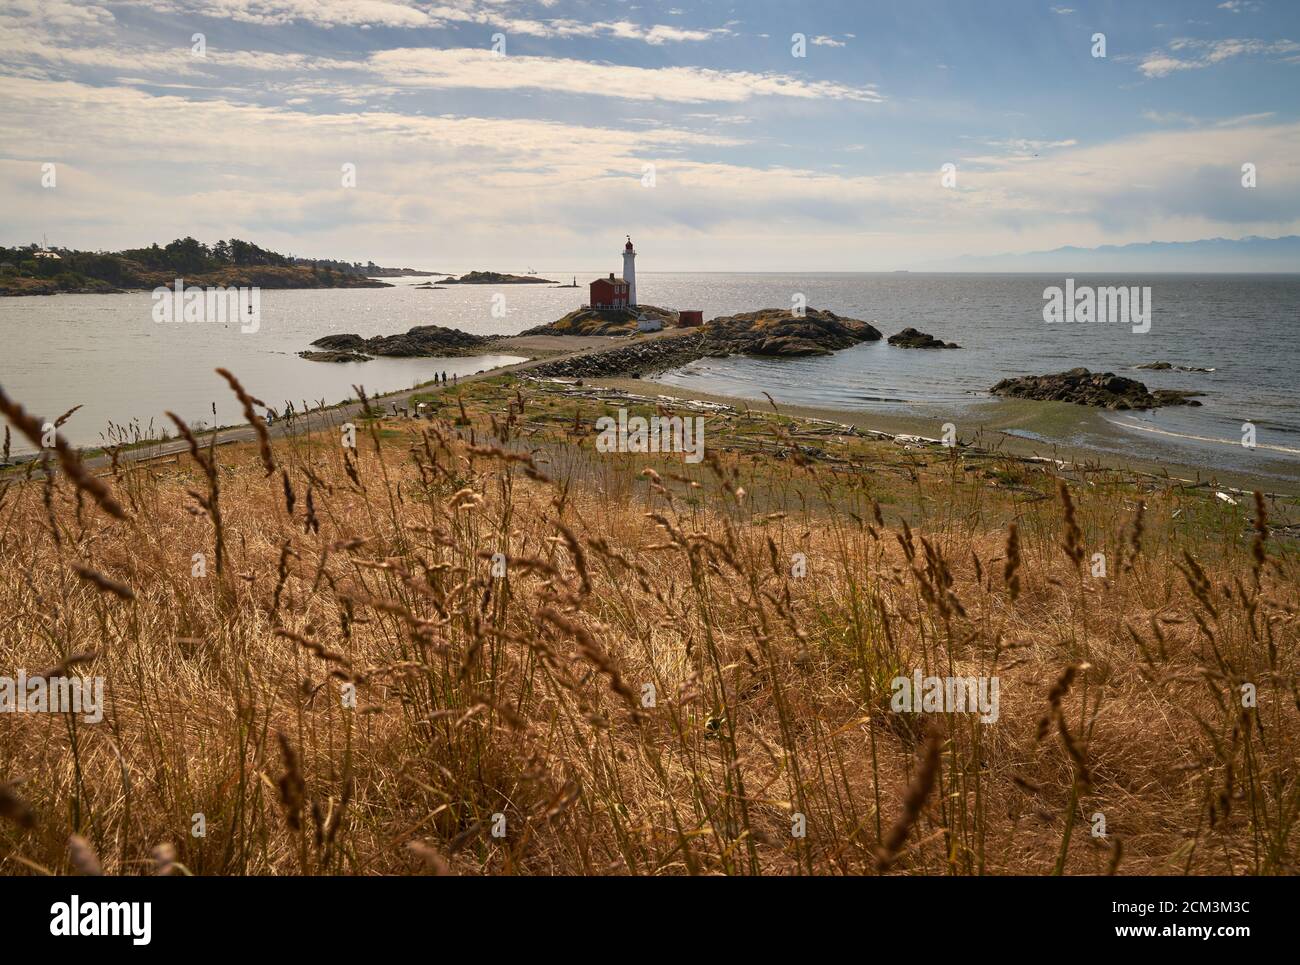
pixel 1174 397
pixel 334 356
pixel 603 321
pixel 1104 390
pixel 496 278
pixel 771 332
pixel 911 338
pixel 1167 366
pixel 422 340
pixel 374 271
pixel 779 332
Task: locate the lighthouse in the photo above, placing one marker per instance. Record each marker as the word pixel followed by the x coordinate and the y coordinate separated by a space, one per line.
pixel 629 271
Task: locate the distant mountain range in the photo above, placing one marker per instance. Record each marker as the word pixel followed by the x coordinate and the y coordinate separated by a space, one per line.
pixel 1250 254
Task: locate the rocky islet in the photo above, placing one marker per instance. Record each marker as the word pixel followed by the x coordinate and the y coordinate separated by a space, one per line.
pixel 1104 390
pixel 911 338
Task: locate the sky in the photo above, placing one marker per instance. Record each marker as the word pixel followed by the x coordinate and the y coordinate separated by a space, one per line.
pixel 729 136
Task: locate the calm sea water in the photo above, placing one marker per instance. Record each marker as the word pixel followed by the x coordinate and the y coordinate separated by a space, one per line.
pixel 1246 328
pixel 106 353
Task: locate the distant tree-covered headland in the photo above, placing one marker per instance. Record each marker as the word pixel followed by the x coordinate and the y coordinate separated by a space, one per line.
pixel 33 270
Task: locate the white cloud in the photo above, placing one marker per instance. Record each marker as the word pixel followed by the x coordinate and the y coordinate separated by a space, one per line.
pixel 30 46
pixel 56 15
pixel 1190 54
pixel 414 15
pixel 483 70
pixel 135 168
pixel 1027 145
pixel 322 13
pixel 824 41
pixel 718 118
pixel 1177 117
pixel 1170 117
pixel 656 35
pixel 171 61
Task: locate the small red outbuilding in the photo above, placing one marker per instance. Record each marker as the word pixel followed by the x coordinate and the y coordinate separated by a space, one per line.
pixel 609 292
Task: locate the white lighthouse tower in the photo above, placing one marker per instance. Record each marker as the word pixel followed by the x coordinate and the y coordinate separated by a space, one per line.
pixel 629 271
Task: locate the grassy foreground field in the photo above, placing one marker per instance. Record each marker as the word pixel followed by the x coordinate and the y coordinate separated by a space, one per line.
pixel 669 668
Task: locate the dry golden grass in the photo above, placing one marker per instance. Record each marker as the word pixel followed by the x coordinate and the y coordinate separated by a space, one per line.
pixel 518 705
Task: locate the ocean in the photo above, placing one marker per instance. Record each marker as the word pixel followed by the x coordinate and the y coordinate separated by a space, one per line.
pixel 107 354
